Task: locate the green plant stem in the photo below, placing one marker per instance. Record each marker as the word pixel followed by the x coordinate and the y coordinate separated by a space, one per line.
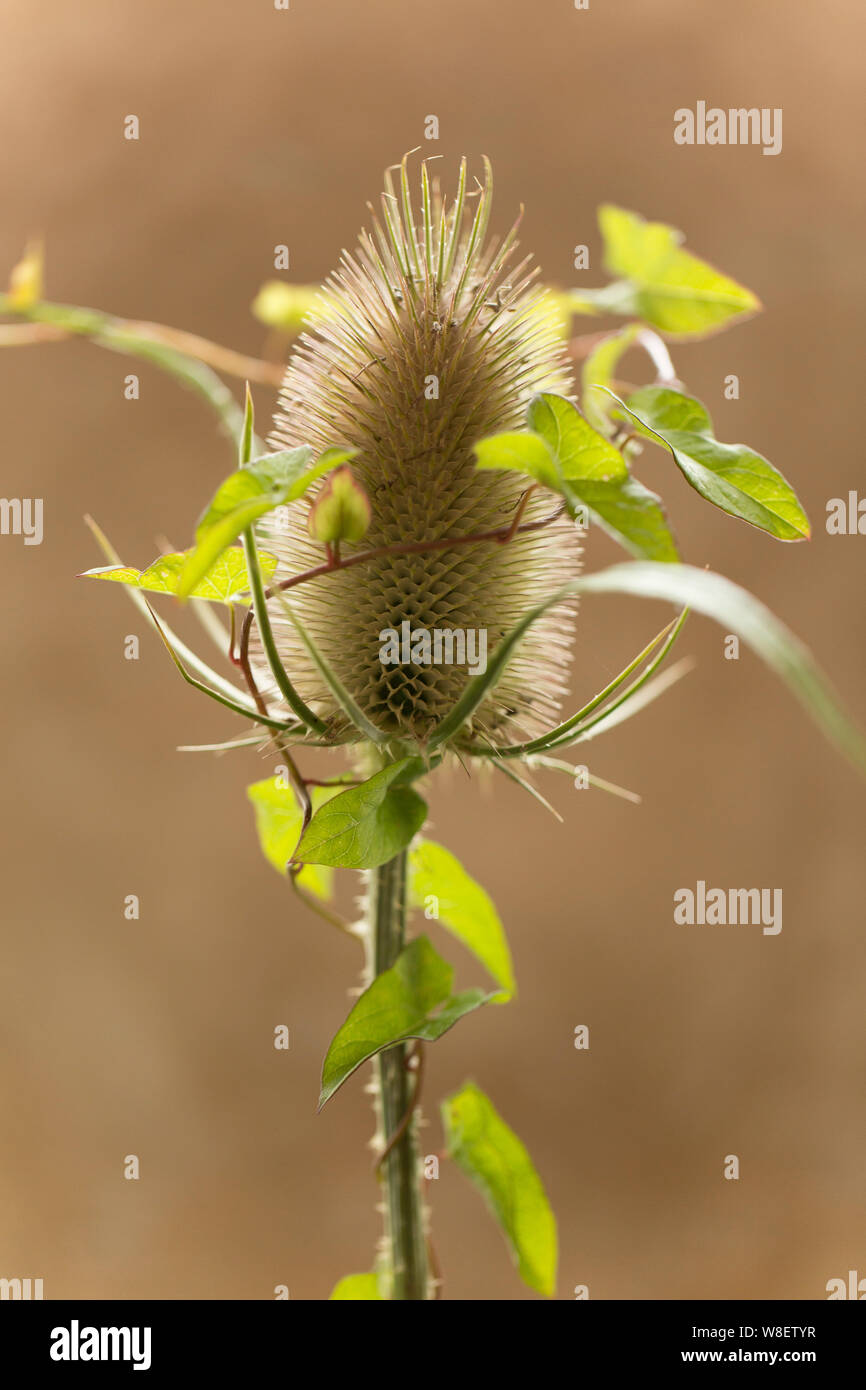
pixel 407 1268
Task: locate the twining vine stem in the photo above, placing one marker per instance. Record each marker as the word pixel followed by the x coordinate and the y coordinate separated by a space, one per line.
pixel 498 535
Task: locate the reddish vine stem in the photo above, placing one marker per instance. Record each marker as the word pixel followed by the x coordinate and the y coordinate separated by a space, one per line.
pixel 500 535
pixel 299 782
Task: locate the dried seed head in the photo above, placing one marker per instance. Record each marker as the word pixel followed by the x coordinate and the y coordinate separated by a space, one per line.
pixel 426 340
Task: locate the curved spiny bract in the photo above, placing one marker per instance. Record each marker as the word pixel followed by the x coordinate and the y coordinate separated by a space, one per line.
pixel 426 339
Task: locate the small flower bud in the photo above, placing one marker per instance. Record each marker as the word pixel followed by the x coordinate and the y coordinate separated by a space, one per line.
pixel 25 282
pixel 341 512
pixel 283 306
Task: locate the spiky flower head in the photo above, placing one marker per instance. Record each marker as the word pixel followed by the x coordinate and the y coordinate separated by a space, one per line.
pixel 426 339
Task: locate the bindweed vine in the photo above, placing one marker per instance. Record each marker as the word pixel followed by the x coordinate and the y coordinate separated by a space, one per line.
pixel 432 475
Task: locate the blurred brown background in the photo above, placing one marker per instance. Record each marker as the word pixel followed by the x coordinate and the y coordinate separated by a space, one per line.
pixel 155 1037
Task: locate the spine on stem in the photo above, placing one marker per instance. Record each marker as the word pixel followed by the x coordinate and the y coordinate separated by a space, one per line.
pixel 406 1261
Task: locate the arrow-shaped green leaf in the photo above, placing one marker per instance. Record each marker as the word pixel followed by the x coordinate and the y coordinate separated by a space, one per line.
pixel 495 1160
pixel 667 286
pixel 278 825
pixel 367 825
pixel 225 581
pixel 731 476
pixel 630 513
pixel 562 452
pixel 411 1000
pixel 462 906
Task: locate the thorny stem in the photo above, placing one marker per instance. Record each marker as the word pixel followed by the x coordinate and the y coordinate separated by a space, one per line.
pixel 407 1268
pixel 416 1056
pixel 412 1270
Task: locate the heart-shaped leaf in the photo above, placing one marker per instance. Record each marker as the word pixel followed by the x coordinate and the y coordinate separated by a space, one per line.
pixel 667 286
pixel 495 1160
pixel 224 582
pixel 731 476
pixel 367 825
pixel 440 884
pixel 411 1000
pixel 278 825
pixel 579 450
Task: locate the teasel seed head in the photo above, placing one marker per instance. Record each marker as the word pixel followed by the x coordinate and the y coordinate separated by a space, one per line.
pixel 426 339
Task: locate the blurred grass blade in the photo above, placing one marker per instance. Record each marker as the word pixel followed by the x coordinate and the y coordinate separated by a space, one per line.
pixel 717 598
pixel 508 771
pixel 632 704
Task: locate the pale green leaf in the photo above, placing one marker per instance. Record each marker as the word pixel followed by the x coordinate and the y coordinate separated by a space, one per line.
pixel 226 580
pixel 358 1288
pixel 579 450
pixel 411 1000
pixel 494 1159
pixel 180 651
pixel 673 290
pixel 278 825
pixel 736 609
pixel 239 501
pixel 325 463
pixel 367 825
pixel 462 906
pixel 629 513
pixel 731 476
pixel 521 452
